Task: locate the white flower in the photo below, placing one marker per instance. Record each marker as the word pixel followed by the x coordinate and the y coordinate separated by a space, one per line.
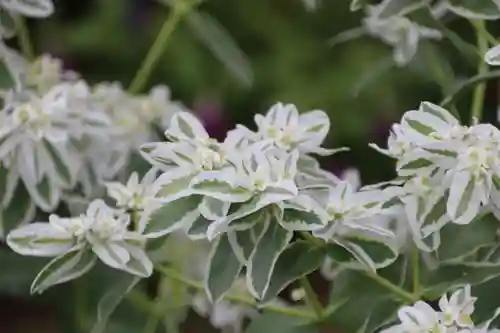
pixel 459 308
pixel 459 163
pixel 101 232
pixel 46 72
pixel 419 318
pixel 399 32
pixel 348 208
pixel 289 131
pixel 135 195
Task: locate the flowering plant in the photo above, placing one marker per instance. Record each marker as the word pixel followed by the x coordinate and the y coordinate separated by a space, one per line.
pixel 230 225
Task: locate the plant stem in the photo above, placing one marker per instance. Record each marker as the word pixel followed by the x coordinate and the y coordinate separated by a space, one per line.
pixel 479 91
pixel 310 238
pixel 401 293
pixel 24 38
pixel 311 297
pixel 237 298
pixel 178 11
pixel 415 263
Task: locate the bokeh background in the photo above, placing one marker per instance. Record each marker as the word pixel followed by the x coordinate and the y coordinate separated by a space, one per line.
pixel 244 57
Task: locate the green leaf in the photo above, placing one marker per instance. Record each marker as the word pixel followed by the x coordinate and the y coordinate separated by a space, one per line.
pixel 199 228
pixel 64 268
pixel 222 45
pixel 450 276
pixel 110 301
pixel 17 272
pixel 173 216
pixel 223 269
pixel 300 220
pixel 468 84
pixel 242 243
pixel 19 211
pixel 221 190
pixel 297 260
pixel 61 164
pixel 398 7
pixel 44 194
pixel 176 188
pixel 276 323
pixel 262 261
pixel 458 241
pixel 476 10
pixel 423 16
pixel 361 252
pixel 362 305
pixel 6 79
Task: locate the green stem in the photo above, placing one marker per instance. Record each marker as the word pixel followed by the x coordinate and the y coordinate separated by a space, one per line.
pixel 24 38
pixel 178 11
pixel 310 238
pixel 416 271
pixel 482 45
pixel 152 323
pixel 401 293
pixel 311 297
pixel 237 298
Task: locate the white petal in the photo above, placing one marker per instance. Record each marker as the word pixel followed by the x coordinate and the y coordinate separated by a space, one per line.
pixel 492 57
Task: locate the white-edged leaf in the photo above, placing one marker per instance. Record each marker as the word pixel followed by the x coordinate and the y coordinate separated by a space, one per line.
pixel 45 194
pixel 222 45
pixel 301 220
pixel 174 188
pixel 8 181
pixel 223 268
pixel 261 263
pixel 476 10
pixel 465 198
pixel 185 126
pixel 297 260
pixel 199 228
pixel 18 212
pixel 221 190
pixel 242 243
pixel 61 161
pixel 172 216
pixel 64 268
pixel 241 212
pixel 40 240
pixel 110 301
pixel 214 209
pixel 139 263
pixel 370 253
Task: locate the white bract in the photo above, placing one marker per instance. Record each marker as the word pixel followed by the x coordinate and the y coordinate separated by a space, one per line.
pixel 400 33
pixel 419 318
pixel 101 230
pixel 454 316
pixel 135 195
pixel 445 161
pixel 492 57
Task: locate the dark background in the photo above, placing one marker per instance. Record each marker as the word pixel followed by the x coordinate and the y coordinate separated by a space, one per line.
pixel 291 61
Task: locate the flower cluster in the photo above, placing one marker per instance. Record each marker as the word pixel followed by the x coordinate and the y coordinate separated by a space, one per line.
pixel 60 135
pixel 448 171
pixel 454 315
pixel 76 242
pixel 397 23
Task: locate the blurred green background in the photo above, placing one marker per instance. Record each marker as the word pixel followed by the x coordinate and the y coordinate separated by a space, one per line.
pixel 289 59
